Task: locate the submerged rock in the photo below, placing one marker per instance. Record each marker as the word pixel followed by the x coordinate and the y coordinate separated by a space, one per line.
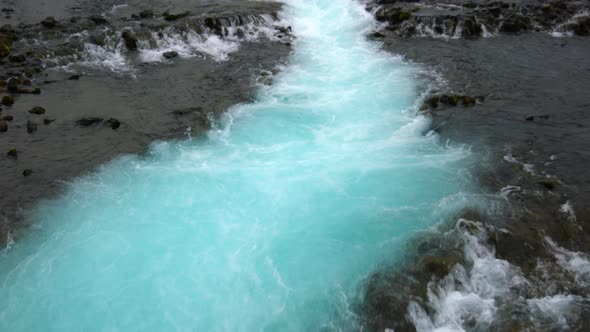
pixel 27 172
pixel 89 121
pixel 12 152
pixel 31 127
pixel 113 123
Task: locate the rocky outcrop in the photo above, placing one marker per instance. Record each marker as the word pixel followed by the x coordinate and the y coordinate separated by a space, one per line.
pixel 460 19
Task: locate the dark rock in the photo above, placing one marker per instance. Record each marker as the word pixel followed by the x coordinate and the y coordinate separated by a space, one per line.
pixel 8 118
pixel 146 14
pixel 37 110
pixel 47 121
pixel 452 100
pixel 549 183
pixel 515 24
pixel 7 28
pixel 533 117
pixel 27 172
pixel 12 153
pixel 173 17
pixel 49 22
pixel 130 40
pixel 12 84
pixel 170 55
pixel 89 121
pixel 377 35
pixel 98 20
pixel 3 126
pixel 97 38
pixel 31 127
pixel 437 265
pixel 8 100
pixel 7 10
pixel 468 101
pixel 74 77
pixel 113 123
pixel 17 58
pixel 471 29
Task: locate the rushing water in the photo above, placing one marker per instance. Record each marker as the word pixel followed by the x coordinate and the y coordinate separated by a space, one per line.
pixel 270 222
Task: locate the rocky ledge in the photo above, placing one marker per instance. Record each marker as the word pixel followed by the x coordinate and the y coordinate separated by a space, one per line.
pixel 474 19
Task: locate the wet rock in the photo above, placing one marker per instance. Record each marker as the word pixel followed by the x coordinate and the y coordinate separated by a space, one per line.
pixel 173 17
pixel 49 22
pixel 8 118
pixel 438 266
pixel 146 14
pixel 434 102
pixel 37 110
pixel 3 126
pixel 7 100
pixel 74 77
pixel 31 127
pixel 515 24
pixel 5 46
pixel 97 38
pixel 130 40
pixel 170 55
pixel 27 172
pixel 582 27
pixel 89 121
pixel 20 58
pixel 12 84
pixel 548 183
pixel 113 123
pixel 12 153
pixel 98 20
pixel 7 29
pixel 377 35
pixel 47 121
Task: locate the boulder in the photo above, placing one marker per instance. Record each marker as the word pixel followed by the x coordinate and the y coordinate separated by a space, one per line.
pixel 130 40
pixel 170 55
pixel 37 110
pixel 3 126
pixel 12 84
pixel 8 100
pixel 49 22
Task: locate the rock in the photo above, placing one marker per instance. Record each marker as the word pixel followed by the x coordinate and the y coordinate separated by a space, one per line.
pixel 377 35
pixel 515 24
pixel 437 265
pixel 37 110
pixel 89 121
pixel 47 121
pixel 49 22
pixel 74 77
pixel 98 20
pixel 27 172
pixel 7 10
pixel 130 40
pixel 12 153
pixel 12 84
pixel 173 17
pixel 17 58
pixel 97 38
pixel 533 117
pixel 113 123
pixel 451 100
pixel 8 118
pixel 468 101
pixel 471 29
pixel 31 127
pixel 3 126
pixel 146 14
pixel 548 183
pixel 8 100
pixel 170 55
pixel 8 29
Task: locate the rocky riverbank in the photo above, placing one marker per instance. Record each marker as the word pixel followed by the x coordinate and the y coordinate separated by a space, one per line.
pixel 80 90
pixel 518 97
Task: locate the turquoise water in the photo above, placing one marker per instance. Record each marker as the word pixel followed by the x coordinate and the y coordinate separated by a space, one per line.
pixel 271 222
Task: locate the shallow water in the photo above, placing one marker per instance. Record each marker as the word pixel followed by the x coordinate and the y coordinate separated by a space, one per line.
pixel 270 222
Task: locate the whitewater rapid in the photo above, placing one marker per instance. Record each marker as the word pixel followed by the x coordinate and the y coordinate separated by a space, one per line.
pixel 270 222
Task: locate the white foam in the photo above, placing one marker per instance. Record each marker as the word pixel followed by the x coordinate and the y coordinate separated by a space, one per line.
pixel 467 294
pixel 568 209
pixel 553 311
pixel 575 262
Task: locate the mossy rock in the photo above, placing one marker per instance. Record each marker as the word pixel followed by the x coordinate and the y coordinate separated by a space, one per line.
pixel 8 100
pixel 5 46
